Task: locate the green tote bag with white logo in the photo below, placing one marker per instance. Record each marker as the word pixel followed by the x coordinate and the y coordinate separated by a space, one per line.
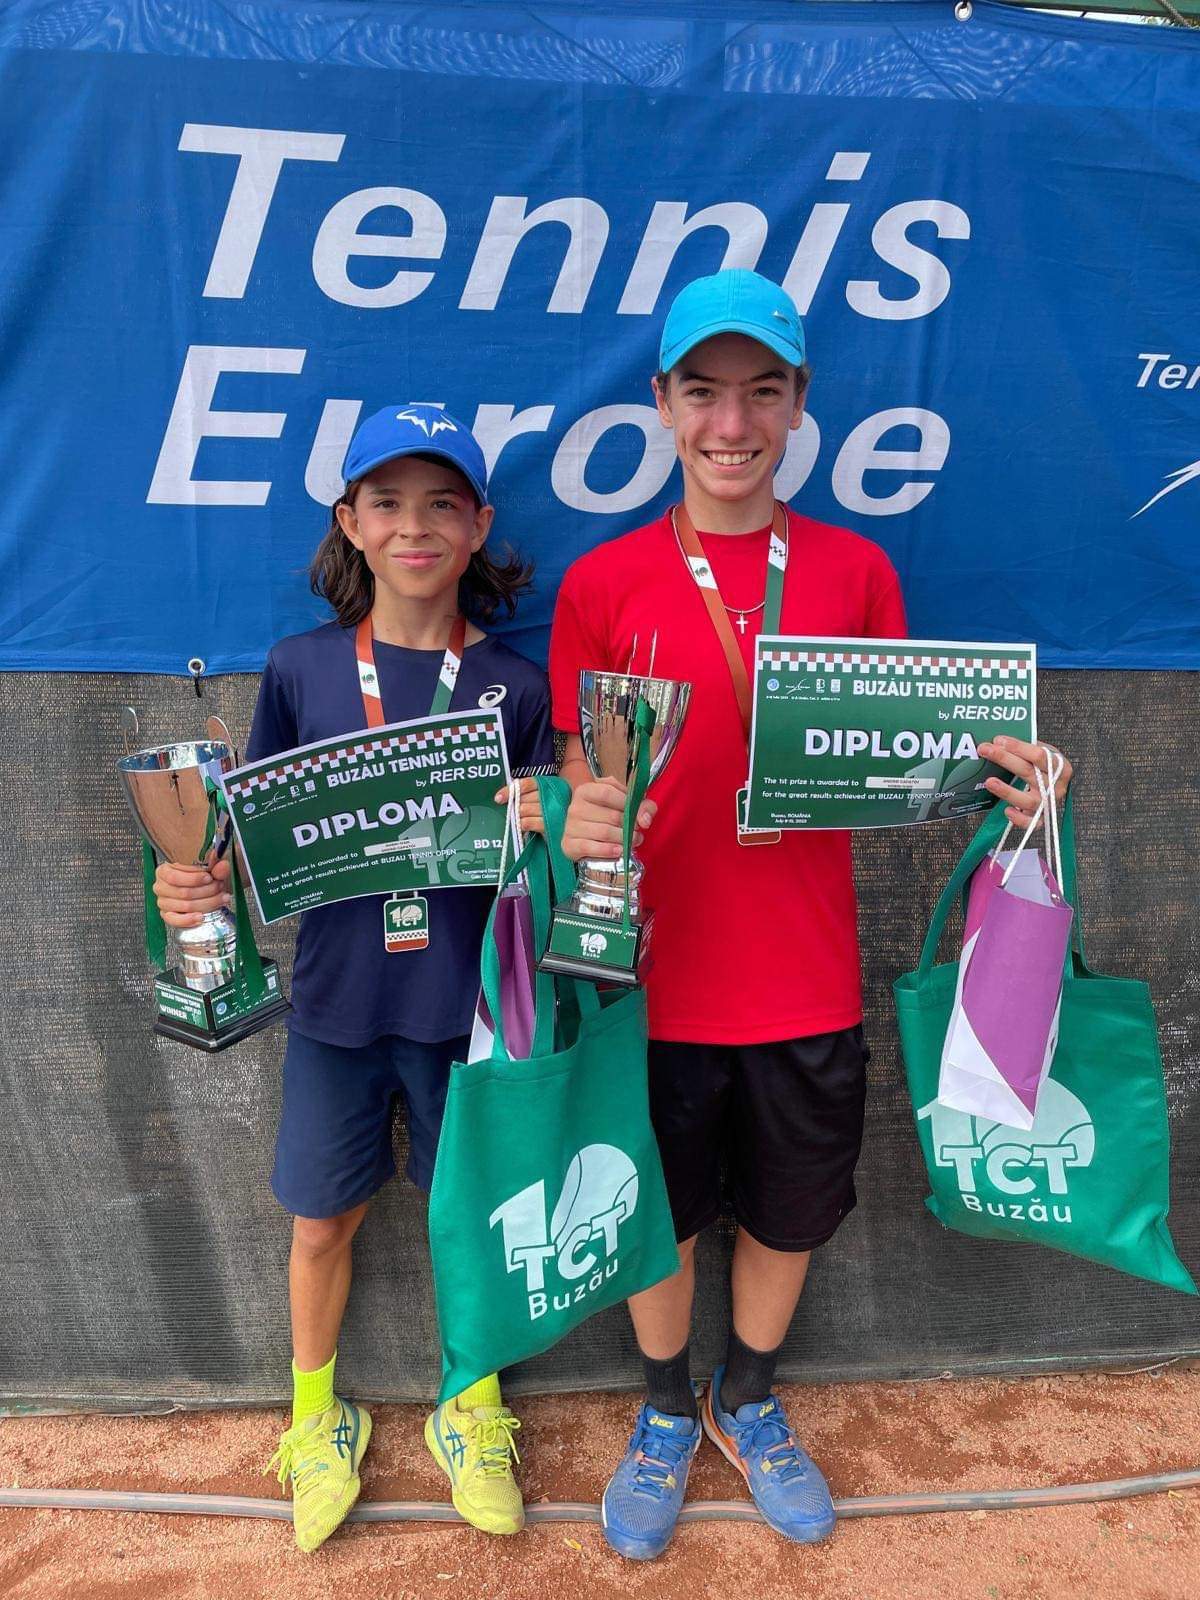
pixel 1091 1176
pixel 548 1199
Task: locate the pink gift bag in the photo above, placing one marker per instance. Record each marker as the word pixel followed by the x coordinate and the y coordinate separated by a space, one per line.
pixel 1004 1024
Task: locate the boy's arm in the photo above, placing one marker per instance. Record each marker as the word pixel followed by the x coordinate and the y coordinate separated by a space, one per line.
pixel 575 768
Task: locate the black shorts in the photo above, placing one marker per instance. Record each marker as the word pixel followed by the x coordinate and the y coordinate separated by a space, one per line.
pixel 788 1119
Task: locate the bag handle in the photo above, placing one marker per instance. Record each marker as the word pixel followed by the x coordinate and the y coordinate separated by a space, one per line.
pixel 980 847
pixel 555 796
pixel 1061 854
pixel 1055 762
pixel 545 868
pixel 536 885
pixel 987 840
pixel 1077 958
pixel 532 864
pixel 574 1000
pixel 512 830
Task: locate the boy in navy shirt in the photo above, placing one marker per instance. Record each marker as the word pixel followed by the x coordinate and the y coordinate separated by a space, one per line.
pixel 405 567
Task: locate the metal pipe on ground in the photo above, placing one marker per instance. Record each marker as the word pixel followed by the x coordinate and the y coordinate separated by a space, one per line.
pixel 883 1505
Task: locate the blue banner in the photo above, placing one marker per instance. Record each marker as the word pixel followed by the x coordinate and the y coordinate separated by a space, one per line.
pixel 228 231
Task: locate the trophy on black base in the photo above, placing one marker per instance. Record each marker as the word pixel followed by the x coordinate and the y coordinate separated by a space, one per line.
pixel 221 990
pixel 629 727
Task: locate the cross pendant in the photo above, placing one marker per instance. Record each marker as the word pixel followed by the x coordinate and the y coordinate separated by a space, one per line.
pixel 741 621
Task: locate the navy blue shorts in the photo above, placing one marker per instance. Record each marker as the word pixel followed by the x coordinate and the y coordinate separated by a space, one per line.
pixel 334 1146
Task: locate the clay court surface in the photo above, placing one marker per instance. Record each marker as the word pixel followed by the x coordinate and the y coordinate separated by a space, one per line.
pixel 871 1438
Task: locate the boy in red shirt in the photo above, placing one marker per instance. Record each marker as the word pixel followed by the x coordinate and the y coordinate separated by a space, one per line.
pixel 755 1007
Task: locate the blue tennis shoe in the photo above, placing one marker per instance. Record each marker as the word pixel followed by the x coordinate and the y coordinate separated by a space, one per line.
pixel 786 1482
pixel 642 1501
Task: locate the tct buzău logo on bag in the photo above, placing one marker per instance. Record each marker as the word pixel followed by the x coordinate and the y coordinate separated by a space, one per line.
pixel 1011 1173
pixel 573 1254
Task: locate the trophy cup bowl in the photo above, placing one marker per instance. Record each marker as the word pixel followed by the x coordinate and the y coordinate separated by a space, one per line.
pixel 588 935
pixel 607 704
pixel 170 792
pixel 219 993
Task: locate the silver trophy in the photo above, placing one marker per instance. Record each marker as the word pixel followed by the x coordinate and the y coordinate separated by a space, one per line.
pixel 172 791
pixel 588 935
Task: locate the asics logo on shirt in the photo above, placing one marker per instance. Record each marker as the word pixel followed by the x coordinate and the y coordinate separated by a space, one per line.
pixel 493 694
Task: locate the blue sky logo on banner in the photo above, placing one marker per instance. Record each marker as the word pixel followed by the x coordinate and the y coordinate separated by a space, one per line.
pixel 229 243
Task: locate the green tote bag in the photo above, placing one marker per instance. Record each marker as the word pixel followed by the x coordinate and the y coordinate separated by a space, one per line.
pixel 548 1199
pixel 1091 1176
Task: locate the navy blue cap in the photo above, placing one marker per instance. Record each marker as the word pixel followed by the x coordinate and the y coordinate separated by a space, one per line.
pixel 416 430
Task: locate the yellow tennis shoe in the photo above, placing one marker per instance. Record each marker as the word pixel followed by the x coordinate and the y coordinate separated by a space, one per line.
pixel 321 1456
pixel 476 1450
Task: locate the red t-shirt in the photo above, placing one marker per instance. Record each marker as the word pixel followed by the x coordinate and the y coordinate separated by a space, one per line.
pixel 751 943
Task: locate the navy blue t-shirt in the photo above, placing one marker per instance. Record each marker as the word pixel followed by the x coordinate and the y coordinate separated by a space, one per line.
pixel 346 988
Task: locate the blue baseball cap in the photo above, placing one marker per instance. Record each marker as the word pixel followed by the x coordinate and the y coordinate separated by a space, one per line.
pixel 736 301
pixel 416 430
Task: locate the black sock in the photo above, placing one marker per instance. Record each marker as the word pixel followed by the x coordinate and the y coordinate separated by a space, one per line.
pixel 669 1384
pixel 749 1374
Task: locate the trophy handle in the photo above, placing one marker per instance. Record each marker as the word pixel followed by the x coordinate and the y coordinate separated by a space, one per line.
pixel 130 729
pixel 219 733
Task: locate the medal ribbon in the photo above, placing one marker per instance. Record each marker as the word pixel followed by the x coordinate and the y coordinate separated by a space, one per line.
pixel 156 928
pixel 644 718
pixel 247 960
pixel 702 575
pixel 368 680
pixel 368 677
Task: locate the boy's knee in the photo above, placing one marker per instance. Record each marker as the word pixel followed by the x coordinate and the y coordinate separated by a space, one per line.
pixel 322 1236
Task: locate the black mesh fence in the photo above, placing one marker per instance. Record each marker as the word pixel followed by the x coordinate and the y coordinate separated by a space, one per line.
pixel 146 1257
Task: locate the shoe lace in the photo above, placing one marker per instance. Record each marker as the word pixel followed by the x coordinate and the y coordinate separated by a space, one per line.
pixel 293 1462
pixel 654 1475
pixel 494 1437
pixel 770 1436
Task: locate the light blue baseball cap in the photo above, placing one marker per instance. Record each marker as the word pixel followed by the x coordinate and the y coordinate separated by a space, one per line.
pixel 416 430
pixel 736 301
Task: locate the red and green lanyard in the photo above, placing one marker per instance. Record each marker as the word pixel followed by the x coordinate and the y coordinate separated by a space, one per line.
pixel 705 580
pixel 406 916
pixel 368 676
